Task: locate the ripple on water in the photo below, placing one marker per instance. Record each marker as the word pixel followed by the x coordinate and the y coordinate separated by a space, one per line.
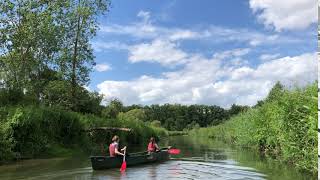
pixel 182 168
pixel 203 170
pixel 175 169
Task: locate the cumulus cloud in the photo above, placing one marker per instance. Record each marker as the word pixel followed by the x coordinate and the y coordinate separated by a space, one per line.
pixel 102 67
pixel 209 81
pixel 164 52
pixel 222 79
pixel 285 14
pixel 160 51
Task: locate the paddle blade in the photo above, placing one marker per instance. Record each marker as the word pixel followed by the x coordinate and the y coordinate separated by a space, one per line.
pixel 174 151
pixel 123 166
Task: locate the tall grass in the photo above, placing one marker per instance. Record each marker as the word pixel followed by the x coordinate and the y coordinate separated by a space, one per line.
pixel 284 127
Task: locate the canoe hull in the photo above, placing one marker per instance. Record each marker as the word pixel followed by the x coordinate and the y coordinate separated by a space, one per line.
pixel 106 162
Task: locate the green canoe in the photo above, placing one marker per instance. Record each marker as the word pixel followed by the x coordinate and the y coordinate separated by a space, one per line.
pixel 106 162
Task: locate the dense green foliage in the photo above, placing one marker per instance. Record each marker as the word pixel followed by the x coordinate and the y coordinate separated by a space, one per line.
pixel 45 52
pixel 175 117
pixel 283 126
pixel 34 131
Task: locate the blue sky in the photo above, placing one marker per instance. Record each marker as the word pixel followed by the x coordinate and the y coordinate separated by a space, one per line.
pixel 203 52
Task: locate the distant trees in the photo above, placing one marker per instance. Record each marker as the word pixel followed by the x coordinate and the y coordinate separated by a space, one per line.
pixel 236 109
pixel 112 110
pixel 172 116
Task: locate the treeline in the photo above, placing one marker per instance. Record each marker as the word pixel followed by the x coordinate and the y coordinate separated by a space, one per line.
pixel 175 116
pixel 283 126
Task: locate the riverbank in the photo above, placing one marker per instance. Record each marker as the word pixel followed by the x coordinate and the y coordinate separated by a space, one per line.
pixel 284 126
pixel 32 132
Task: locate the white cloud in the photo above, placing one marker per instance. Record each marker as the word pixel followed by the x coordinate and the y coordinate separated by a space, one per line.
pixel 265 57
pixel 100 46
pixel 223 79
pixel 160 51
pixel 145 15
pixel 285 14
pixel 209 81
pixel 232 53
pixel 184 34
pixel 146 30
pixel 102 67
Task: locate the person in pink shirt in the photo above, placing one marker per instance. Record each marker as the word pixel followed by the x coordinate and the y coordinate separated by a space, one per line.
pixel 152 146
pixel 114 147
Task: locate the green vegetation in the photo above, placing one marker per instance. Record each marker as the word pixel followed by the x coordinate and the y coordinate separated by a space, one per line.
pixel 177 133
pixel 177 117
pixel 283 126
pixel 29 132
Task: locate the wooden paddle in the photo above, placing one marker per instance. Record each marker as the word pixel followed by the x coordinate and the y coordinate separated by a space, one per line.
pixel 174 151
pixel 124 163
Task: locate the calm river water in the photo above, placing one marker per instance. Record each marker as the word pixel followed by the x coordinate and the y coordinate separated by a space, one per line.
pixel 200 158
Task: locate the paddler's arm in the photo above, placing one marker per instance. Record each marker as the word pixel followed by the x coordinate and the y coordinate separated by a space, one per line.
pixel 124 148
pixel 117 152
pixel 157 147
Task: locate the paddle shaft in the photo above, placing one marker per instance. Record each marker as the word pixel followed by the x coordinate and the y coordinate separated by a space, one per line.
pixel 124 156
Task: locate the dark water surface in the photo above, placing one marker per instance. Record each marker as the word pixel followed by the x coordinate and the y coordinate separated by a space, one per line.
pixel 200 158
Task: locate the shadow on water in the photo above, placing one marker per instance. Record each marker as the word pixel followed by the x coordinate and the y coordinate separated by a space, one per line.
pixel 200 158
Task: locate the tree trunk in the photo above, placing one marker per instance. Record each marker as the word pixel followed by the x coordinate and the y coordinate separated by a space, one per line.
pixel 74 62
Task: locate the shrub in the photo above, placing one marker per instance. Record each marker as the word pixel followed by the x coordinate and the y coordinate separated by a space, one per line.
pixel 284 126
pixel 34 131
pixel 155 123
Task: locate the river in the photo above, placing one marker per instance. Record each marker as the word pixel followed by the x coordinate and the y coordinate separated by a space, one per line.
pixel 200 158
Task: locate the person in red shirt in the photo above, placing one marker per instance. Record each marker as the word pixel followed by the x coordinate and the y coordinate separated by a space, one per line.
pixel 152 146
pixel 114 147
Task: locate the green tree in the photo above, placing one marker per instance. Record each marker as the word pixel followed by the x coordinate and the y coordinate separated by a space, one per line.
pixel 78 27
pixel 56 93
pixel 28 41
pixel 113 109
pixel 134 114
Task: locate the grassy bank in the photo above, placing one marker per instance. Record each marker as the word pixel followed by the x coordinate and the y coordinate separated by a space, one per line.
pixel 31 132
pixel 284 126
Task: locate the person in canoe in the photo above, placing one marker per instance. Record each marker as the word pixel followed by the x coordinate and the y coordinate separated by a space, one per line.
pixel 114 147
pixel 153 146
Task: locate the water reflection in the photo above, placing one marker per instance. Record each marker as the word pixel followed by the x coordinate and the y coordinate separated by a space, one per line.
pixel 199 159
